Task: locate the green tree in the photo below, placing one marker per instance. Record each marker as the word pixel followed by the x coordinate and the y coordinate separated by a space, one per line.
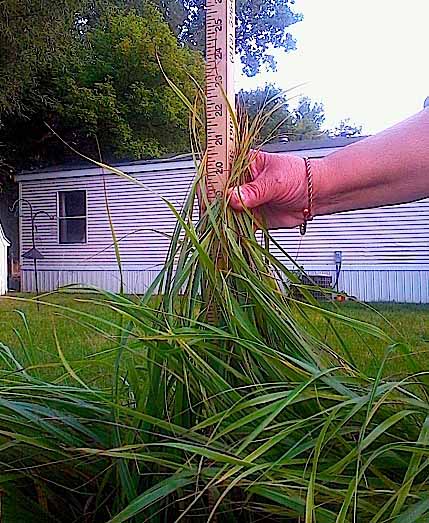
pixel 110 87
pixel 120 93
pixel 33 34
pixel 36 36
pixel 308 121
pixel 347 128
pixel 261 26
pixel 285 123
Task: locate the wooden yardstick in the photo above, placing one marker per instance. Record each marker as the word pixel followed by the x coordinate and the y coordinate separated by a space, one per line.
pixel 220 55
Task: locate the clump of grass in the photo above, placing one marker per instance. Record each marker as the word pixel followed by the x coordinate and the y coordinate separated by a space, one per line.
pixel 227 404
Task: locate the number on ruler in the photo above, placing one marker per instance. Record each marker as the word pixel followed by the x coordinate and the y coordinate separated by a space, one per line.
pixel 218 80
pixel 218 139
pixel 219 168
pixel 218 24
pixel 218 53
pixel 218 110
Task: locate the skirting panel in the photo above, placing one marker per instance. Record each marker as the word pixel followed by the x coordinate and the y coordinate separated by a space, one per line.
pixel 135 281
pixel 402 286
pixel 3 270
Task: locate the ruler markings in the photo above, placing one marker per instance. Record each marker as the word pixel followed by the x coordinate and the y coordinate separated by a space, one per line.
pixel 220 51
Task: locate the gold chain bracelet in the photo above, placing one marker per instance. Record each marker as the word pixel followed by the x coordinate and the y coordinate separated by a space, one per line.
pixel 308 211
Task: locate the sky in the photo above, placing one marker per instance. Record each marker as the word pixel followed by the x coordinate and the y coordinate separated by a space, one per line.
pixel 363 59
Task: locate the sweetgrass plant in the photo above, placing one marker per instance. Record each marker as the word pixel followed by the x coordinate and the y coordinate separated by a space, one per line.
pixel 227 403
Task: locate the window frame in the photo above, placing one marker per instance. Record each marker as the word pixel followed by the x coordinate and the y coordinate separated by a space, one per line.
pixel 59 218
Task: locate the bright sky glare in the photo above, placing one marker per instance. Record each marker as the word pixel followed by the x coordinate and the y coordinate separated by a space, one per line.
pixel 364 59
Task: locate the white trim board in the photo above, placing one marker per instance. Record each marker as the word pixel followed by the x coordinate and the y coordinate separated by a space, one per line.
pixel 95 268
pixel 97 171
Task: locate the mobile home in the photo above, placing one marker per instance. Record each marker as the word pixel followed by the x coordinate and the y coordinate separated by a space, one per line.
pixel 375 255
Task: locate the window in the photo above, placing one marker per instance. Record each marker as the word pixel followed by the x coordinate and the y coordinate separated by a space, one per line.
pixel 72 216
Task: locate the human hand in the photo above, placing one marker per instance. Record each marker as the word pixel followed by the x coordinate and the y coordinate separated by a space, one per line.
pixel 277 192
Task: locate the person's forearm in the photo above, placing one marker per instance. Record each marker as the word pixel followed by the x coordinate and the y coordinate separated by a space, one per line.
pixel 387 168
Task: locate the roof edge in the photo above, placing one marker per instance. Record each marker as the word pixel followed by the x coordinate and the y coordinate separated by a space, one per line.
pixel 98 171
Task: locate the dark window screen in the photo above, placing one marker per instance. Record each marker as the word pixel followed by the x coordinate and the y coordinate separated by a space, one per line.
pixel 72 216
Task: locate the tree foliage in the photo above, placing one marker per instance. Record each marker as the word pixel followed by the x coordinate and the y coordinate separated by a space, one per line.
pixel 33 34
pixel 260 26
pixel 89 68
pixel 110 87
pixel 286 123
pixel 120 93
pixel 347 129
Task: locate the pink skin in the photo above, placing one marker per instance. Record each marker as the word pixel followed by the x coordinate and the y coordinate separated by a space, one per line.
pixel 278 190
pixel 387 168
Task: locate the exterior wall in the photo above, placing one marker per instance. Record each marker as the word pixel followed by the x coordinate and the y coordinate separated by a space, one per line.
pixel 388 237
pixel 385 251
pixel 140 218
pixel 365 283
pixel 370 284
pixel 142 223
pixel 4 244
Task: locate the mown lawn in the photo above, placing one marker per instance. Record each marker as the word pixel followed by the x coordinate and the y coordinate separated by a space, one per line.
pixel 403 322
pixel 37 336
pixel 30 335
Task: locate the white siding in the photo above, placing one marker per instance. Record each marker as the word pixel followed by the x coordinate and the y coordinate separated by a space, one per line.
pixel 385 250
pixel 387 237
pixel 142 221
pixel 370 284
pixel 4 244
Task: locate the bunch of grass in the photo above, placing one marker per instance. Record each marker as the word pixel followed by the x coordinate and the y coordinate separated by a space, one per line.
pixel 227 403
